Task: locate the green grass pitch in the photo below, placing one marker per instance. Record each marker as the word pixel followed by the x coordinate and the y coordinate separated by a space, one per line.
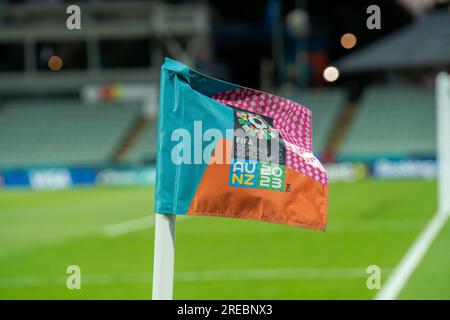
pixel 370 223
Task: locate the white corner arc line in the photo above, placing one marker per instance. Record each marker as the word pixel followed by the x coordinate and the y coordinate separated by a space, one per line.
pixel 410 261
pixel 133 225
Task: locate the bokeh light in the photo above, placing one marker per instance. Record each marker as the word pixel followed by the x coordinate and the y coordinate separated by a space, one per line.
pixel 55 63
pixel 348 40
pixel 331 74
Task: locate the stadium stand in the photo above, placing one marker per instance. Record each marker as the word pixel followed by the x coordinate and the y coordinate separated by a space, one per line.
pixel 64 132
pixel 144 147
pixel 391 121
pixel 326 105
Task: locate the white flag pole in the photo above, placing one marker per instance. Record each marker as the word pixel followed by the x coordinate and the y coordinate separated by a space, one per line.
pixel 163 263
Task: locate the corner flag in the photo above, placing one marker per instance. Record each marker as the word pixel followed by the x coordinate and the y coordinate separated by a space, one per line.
pixel 230 151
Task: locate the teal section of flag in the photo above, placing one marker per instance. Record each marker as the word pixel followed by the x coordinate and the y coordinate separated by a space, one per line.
pixel 185 104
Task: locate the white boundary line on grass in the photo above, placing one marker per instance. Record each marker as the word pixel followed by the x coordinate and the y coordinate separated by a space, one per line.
pixel 410 261
pixel 147 222
pixel 134 225
pixel 192 276
pixel 129 226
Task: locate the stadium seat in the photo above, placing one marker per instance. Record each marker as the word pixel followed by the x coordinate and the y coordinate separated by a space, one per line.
pixel 144 147
pixel 64 132
pixel 391 121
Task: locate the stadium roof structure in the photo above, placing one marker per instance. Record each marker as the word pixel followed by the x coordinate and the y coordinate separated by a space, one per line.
pixel 424 43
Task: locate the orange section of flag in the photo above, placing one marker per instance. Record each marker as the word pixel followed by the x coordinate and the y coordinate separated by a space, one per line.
pixel 303 203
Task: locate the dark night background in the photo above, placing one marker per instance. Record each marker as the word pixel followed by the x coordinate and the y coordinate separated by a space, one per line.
pixel 242 36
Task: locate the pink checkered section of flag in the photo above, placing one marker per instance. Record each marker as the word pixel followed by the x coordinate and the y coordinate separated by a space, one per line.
pixel 291 119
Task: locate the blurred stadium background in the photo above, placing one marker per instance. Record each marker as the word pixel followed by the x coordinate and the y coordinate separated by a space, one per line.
pixel 77 145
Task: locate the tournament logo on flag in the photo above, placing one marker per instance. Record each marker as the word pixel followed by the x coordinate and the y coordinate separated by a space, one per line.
pixel 230 151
